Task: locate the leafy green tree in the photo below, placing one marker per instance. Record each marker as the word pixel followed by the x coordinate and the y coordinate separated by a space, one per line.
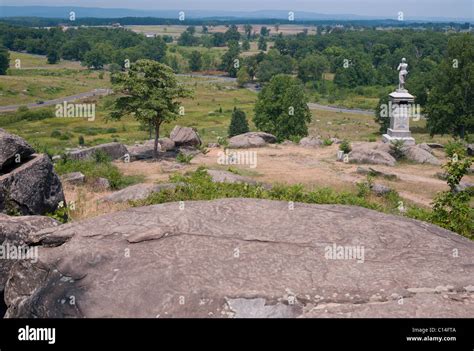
pixel 95 59
pixel 230 60
pixel 195 61
pixel 248 30
pixel 264 31
pixel 243 76
pixel 232 34
pixel 246 45
pixel 450 106
pixel 312 67
pixel 187 39
pixel 274 64
pixel 149 92
pixel 262 43
pixel 238 123
pixel 4 61
pixel 281 108
pixel 53 56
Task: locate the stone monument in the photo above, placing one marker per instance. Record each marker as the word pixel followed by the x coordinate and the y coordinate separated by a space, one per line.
pixel 400 105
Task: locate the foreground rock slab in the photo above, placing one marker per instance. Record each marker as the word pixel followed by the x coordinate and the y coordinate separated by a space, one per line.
pixel 31 189
pixel 245 258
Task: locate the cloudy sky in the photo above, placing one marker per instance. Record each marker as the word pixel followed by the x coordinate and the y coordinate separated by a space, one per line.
pixel 388 8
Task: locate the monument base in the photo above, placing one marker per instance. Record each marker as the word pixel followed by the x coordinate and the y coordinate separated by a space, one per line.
pixel 406 140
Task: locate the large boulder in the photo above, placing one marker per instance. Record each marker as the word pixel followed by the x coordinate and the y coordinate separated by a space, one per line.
pixel 470 149
pixel 185 136
pixel 13 150
pixel 228 177
pixel 14 232
pixel 365 155
pixel 31 189
pixel 73 178
pixel 311 141
pixel 251 139
pixel 245 258
pixel 137 192
pixel 145 150
pixel 113 150
pixel 420 155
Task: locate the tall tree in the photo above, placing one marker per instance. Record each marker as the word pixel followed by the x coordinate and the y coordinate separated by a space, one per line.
pixel 195 61
pixel 238 123
pixel 312 67
pixel 149 92
pixel 230 60
pixel 248 30
pixel 4 61
pixel 450 106
pixel 282 108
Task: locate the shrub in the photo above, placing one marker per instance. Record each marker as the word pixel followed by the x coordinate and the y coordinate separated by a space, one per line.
pixel 183 158
pixel 81 140
pixel 396 149
pixel 345 146
pixel 238 123
pixel 455 147
pixel 327 142
pixel 55 134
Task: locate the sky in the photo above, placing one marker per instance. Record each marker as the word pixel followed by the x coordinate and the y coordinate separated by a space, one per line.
pixel 386 8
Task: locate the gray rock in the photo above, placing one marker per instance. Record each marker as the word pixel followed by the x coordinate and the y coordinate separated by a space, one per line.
pixel 419 155
pixel 228 177
pixel 335 140
pixel 425 147
pixel 365 155
pixel 375 173
pixel 14 231
pixel 470 149
pixel 185 136
pixel 189 150
pixel 213 145
pixel 380 189
pixel 137 192
pixel 73 178
pixel 145 150
pixel 31 189
pixel 113 150
pixel 311 141
pixel 442 175
pixel 251 139
pixel 101 184
pixel 12 149
pixel 464 186
pixel 245 258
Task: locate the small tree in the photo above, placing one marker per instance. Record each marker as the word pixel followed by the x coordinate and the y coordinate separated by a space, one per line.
pixel 282 108
pixel 262 43
pixel 148 92
pixel 195 61
pixel 4 61
pixel 382 114
pixel 243 76
pixel 53 56
pixel 246 45
pixel 238 123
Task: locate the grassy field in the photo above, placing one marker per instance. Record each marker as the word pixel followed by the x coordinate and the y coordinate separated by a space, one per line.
pixel 35 80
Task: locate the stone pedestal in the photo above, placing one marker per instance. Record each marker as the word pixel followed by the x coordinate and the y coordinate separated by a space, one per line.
pixel 399 107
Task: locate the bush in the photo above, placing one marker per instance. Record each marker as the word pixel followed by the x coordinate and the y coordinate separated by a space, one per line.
pixel 345 146
pixel 81 140
pixel 55 134
pixel 455 147
pixel 99 167
pixel 327 142
pixel 238 123
pixel 183 158
pixel 396 149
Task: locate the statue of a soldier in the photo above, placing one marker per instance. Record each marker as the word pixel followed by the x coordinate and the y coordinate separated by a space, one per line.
pixel 402 76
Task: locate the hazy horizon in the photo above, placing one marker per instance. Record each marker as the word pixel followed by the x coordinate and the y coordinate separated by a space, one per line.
pixel 370 8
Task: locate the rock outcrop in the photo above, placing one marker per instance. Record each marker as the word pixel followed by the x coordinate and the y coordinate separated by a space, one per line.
pixel 420 155
pixel 137 192
pixel 245 258
pixel 113 150
pixel 185 136
pixel 366 155
pixel 251 139
pixel 311 141
pixel 13 151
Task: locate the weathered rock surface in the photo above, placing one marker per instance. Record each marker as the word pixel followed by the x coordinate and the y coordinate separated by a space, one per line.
pixel 101 184
pixel 185 136
pixel 12 149
pixel 470 149
pixel 311 141
pixel 380 189
pixel 113 150
pixel 31 189
pixel 366 155
pixel 137 192
pixel 245 258
pixel 376 173
pixel 145 150
pixel 74 178
pixel 251 139
pixel 228 177
pixel 15 231
pixel 425 147
pixel 419 155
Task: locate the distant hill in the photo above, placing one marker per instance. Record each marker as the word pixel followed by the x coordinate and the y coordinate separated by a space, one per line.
pixel 95 12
